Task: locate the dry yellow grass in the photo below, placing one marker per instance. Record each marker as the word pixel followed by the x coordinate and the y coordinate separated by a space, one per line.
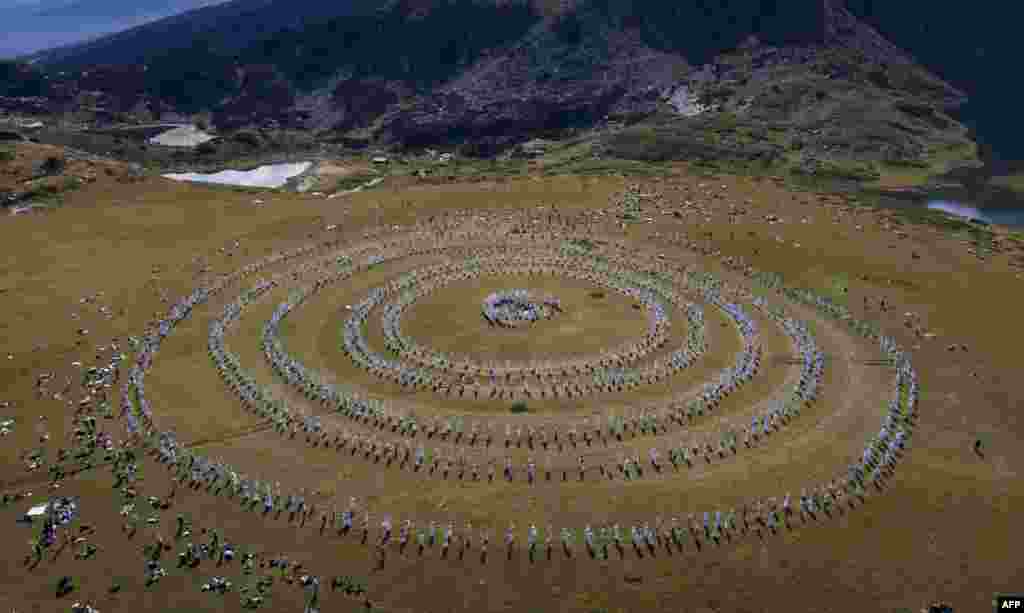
pixel 944 529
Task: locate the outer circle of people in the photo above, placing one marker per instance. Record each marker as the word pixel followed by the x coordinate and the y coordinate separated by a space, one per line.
pixel 877 463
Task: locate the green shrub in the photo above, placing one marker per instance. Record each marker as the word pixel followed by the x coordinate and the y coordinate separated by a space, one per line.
pixel 44 191
pixel 848 171
pixel 583 243
pixel 519 407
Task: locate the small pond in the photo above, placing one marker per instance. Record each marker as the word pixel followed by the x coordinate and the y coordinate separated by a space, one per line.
pixel 988 204
pixel 1013 217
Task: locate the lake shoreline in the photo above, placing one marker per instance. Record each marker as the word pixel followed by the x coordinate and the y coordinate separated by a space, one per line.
pixel 992 206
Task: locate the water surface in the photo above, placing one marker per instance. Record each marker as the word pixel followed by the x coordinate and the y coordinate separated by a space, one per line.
pixel 984 203
pixel 1005 217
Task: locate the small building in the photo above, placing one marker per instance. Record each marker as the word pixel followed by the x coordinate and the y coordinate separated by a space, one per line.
pixel 380 159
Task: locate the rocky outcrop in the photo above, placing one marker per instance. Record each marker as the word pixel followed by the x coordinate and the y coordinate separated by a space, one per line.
pixel 265 97
pixel 540 85
pixel 360 101
pixel 590 63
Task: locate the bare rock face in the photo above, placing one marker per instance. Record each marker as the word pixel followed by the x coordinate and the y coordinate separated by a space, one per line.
pixel 599 60
pixel 265 96
pixel 359 101
pixel 542 84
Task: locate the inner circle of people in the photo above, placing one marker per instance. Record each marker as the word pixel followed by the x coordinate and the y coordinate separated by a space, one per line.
pixel 682 531
pixel 449 374
pixel 506 308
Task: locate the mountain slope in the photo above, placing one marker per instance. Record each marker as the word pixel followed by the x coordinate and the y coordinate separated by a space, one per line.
pixel 600 59
pixel 798 81
pixel 232 25
pixel 975 50
pixel 29 27
pixel 114 8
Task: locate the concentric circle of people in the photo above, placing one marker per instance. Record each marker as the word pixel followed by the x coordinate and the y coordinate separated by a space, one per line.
pixel 414 285
pixel 771 420
pixel 713 393
pixel 877 462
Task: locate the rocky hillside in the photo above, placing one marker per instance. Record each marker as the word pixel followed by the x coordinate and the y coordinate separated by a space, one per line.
pixel 810 80
pixel 599 61
pixel 975 50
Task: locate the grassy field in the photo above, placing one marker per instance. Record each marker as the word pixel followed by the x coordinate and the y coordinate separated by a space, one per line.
pixel 936 163
pixel 942 529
